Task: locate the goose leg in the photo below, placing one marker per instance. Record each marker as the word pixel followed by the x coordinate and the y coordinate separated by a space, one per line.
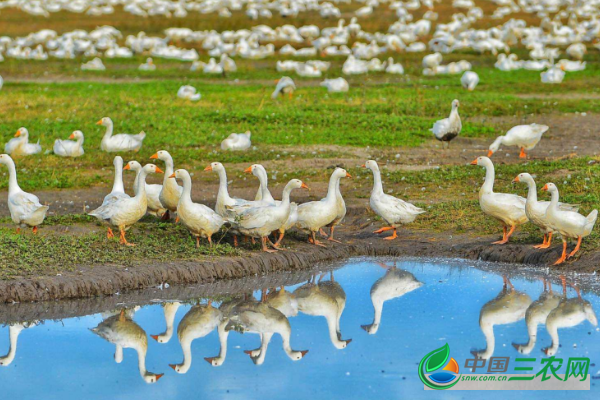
pixel 576 247
pixel 110 234
pixel 313 239
pixel 35 230
pixel 166 216
pixel 506 235
pixel 235 241
pixel 18 230
pixel 542 246
pixel 387 228
pixel 564 253
pixel 281 234
pixel 197 242
pixel 522 154
pixel 209 237
pixel 394 236
pixel 330 238
pixel 123 240
pixel 322 232
pixel 264 246
pixel 545 246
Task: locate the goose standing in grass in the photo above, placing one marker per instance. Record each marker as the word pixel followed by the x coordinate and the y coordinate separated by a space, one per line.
pixel 237 141
pixel 255 317
pixel 199 219
pixel 507 208
pixel 285 85
pixel 120 142
pixel 394 68
pixel 341 212
pixel 170 191
pixel 25 208
pixel 118 190
pixel 537 314
pixel 536 210
pixel 155 207
pixel 337 85
pixel 263 195
pixel 14 330
pixel 508 307
pixel 123 212
pixel 20 146
pixel 126 334
pixel 170 310
pixel 260 222
pixel 148 65
pixel 199 321
pixel 314 215
pixel 524 136
pixel 469 80
pixel 70 148
pixel 570 224
pixel 395 283
pixel 395 212
pixel 447 129
pixel 554 74
pixel 568 313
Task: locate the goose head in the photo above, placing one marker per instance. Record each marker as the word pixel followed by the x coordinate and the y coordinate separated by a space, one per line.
pixel 162 155
pixel 152 169
pixel 76 135
pixel 550 187
pixel 455 104
pixel 372 165
pixel 482 161
pixel 105 122
pixel 524 177
pixel 341 173
pixel 150 377
pixel 296 184
pixel 256 170
pixel 179 174
pixel 5 159
pixel 297 355
pixel 215 166
pixel 133 166
pixel 118 162
pixel 22 133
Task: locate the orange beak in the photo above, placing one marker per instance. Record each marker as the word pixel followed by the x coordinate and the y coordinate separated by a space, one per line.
pixel 99 122
pixel 474 162
pixel 209 168
pixel 304 352
pixel 155 337
pixel 158 376
pixel 127 167
pixel 72 136
pixel 172 176
pixel 363 166
pixel 173 366
pixel 154 156
pixel 304 186
pixel 516 180
pixel 490 153
pixel 209 359
pixel 159 171
pixel 276 80
pixel 18 133
pixel 545 188
pixel 348 175
pixel 248 170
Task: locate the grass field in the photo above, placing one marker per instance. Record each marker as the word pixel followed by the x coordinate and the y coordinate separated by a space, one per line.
pixel 380 116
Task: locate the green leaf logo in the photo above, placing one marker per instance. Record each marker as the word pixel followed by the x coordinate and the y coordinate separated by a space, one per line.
pixel 438 358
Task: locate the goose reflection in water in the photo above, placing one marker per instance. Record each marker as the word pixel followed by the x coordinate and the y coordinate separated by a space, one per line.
pixel 226 307
pixel 536 314
pixel 508 307
pixel 395 283
pixel 568 313
pixel 124 333
pixel 170 309
pixel 260 317
pixel 14 330
pixel 326 299
pixel 199 321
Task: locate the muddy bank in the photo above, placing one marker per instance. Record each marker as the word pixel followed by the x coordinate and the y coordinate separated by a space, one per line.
pixel 357 237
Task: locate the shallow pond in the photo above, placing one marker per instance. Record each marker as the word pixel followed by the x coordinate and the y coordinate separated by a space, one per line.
pixel 426 304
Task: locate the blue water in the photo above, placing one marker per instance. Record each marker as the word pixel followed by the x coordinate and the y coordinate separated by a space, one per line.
pixel 66 360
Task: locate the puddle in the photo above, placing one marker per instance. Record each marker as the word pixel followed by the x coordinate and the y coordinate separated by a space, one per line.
pixel 366 330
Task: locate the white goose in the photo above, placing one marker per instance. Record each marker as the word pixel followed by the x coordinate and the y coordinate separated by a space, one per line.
pixel 536 314
pixel 20 146
pixel 170 190
pixel 507 208
pixel 170 310
pixel 70 148
pixel 314 215
pixel 524 136
pixel 148 65
pixel 237 141
pixel 469 80
pixel 508 307
pixel 341 211
pixel 447 129
pixel 14 330
pixel 394 211
pixel 265 320
pixel 25 208
pixel 152 190
pixel 568 313
pixel 337 85
pixel 260 222
pixel 554 74
pixel 121 142
pixel 124 212
pixel 197 323
pixel 263 196
pixel 283 301
pixel 124 333
pixel 285 85
pixel 199 219
pixel 536 210
pixel 226 308
pixel 569 224
pixel 395 283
